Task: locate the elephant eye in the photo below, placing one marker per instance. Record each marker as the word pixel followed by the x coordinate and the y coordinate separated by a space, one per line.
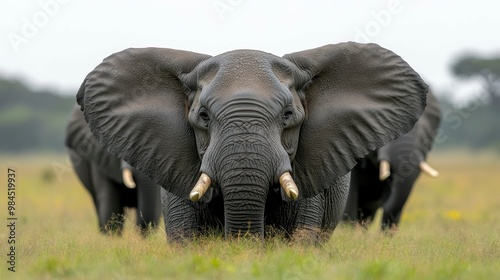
pixel 203 114
pixel 287 114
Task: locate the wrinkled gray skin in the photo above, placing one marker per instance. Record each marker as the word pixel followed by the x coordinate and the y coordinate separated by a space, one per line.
pixel 367 193
pixel 101 174
pixel 244 117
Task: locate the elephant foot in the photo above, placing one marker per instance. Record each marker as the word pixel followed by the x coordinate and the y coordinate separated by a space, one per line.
pixel 308 236
pixel 390 231
pixel 363 224
pixel 111 231
pixel 252 238
pixel 146 230
pixel 274 232
pixel 182 236
pixel 114 226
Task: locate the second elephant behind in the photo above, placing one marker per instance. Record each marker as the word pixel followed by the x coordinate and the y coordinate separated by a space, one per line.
pixel 385 178
pixel 111 188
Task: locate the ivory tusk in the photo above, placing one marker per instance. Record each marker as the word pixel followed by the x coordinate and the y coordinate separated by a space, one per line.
pixel 289 186
pixel 427 169
pixel 385 170
pixel 128 179
pixel 200 188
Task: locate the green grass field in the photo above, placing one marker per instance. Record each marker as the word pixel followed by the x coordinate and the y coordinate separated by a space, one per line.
pixel 450 230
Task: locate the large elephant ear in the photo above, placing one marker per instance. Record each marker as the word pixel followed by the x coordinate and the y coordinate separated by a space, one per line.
pixel 136 105
pixel 359 97
pixel 80 139
pixel 414 146
pixel 427 126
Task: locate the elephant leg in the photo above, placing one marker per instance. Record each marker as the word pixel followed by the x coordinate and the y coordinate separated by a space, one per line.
pixel 351 212
pixel 334 199
pixel 400 191
pixel 103 192
pixel 83 171
pixel 366 216
pixel 371 193
pixel 309 219
pixel 364 195
pixel 108 202
pixel 148 202
pixel 313 219
pixel 318 216
pixel 182 220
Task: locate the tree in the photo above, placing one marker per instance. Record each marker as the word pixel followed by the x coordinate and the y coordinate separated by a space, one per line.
pixel 32 120
pixel 488 69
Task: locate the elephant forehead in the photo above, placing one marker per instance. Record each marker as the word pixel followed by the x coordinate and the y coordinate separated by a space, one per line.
pixel 245 68
pixel 246 75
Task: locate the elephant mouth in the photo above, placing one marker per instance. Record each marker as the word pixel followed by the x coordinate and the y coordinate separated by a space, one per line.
pixel 286 181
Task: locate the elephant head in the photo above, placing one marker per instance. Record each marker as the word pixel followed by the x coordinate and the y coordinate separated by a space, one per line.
pixel 410 150
pixel 243 121
pixel 80 139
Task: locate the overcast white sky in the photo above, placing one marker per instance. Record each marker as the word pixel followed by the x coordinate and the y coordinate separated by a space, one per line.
pixel 55 43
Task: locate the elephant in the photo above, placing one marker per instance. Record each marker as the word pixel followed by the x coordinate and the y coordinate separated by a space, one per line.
pixel 247 141
pixel 112 183
pixel 385 177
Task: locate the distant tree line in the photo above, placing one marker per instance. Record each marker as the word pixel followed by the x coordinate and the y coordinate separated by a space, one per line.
pixel 31 120
pixel 487 69
pixel 477 124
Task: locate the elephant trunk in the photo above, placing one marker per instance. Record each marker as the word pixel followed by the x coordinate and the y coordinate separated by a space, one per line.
pixel 245 200
pixel 245 181
pixel 246 169
pixel 245 159
pixel 244 205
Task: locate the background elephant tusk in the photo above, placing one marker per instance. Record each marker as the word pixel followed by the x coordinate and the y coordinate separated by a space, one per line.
pixel 385 170
pixel 128 179
pixel 427 169
pixel 289 186
pixel 200 188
